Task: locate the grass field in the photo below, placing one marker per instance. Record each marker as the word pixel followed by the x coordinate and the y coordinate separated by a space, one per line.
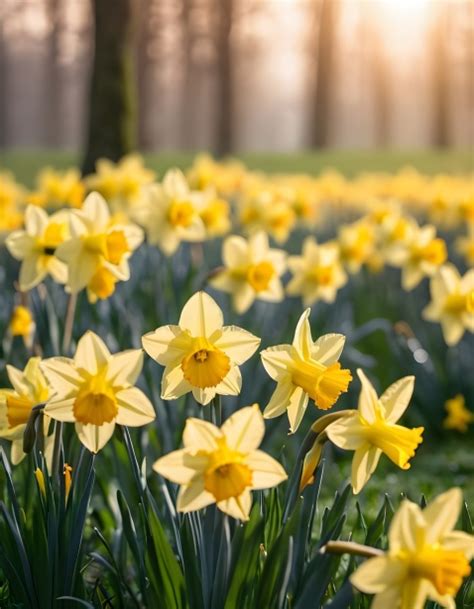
pixel 25 164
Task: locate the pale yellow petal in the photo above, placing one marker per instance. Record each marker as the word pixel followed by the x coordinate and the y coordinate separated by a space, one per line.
pixel 379 574
pixel 194 496
pixel 368 399
pixel 96 209
pixel 62 375
pixel 61 409
pixel 243 298
pixel 277 360
pixel 237 507
pixel 31 274
pixel 91 353
pixel 280 399
pixel 125 367
pixel 181 466
pixel 36 220
pixel 347 433
pixel 231 384
pixel 135 409
pixel 328 348
pixel 167 344
pixel 460 542
pixel 297 407
pixel 17 379
pixel 453 330
pixel 204 396
pixel 173 384
pixel 441 514
pixel 20 244
pixel 396 398
pixel 16 452
pixel 95 437
pixel 414 593
pixel 364 462
pixel 389 598
pixel 244 430
pixel 406 523
pixel 200 435
pixel 302 342
pixel 201 315
pixel 237 343
pixel 235 252
pixel 266 471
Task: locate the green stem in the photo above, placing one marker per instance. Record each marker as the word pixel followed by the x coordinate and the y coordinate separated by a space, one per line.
pixel 69 323
pixel 216 410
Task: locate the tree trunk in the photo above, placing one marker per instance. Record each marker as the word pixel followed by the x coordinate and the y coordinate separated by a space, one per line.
pixel 440 83
pixel 3 88
pixel 224 72
pixel 144 75
pixel 323 50
pixel 112 113
pixel 52 84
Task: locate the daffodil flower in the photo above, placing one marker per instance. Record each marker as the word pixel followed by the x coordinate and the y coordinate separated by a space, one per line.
pixel 96 391
pixel 459 417
pixel 170 213
pixel 426 558
pixel 121 183
pixel 29 390
pixel 97 247
pixel 317 273
pixel 452 302
pixel 200 354
pixel 37 246
pixel 373 430
pixel 222 465
pixel 305 370
pixel 252 271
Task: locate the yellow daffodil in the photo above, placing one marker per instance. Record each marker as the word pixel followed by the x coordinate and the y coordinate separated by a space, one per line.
pixel 58 189
pixel 22 322
pixel 96 391
pixel 459 417
pixel 252 271
pixel 222 465
pixel 372 429
pixel 267 208
pixel 98 251
pixel 421 256
pixel 452 302
pixel 37 247
pixel 214 212
pixel 356 244
pixel 11 196
pixel 170 213
pixel 30 389
pixel 305 370
pixel 317 273
pixel 121 183
pixel 200 354
pixel 426 559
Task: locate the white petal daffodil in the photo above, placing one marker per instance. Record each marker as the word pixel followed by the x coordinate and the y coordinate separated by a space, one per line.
pixel 222 465
pixel 252 271
pixel 200 354
pixel 36 246
pixel 426 559
pixel 96 390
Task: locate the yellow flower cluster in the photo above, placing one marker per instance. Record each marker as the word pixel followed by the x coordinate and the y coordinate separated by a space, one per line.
pixel 396 220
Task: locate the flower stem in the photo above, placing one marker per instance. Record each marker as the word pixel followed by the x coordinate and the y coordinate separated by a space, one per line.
pixel 216 410
pixel 350 547
pixel 68 324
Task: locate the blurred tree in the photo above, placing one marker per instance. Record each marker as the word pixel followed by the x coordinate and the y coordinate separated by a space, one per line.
pixel 3 85
pixel 112 113
pixel 52 80
pixel 224 10
pixel 144 67
pixel 440 67
pixel 322 52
